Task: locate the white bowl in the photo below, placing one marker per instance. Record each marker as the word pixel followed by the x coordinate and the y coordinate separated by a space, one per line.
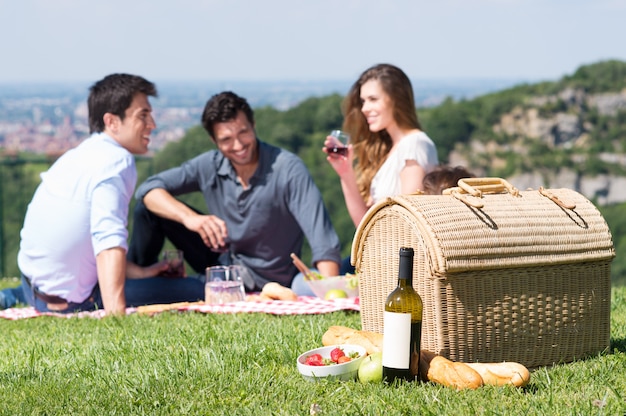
pixel 345 371
pixel 321 286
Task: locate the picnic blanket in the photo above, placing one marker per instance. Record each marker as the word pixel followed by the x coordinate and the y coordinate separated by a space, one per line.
pixel 305 305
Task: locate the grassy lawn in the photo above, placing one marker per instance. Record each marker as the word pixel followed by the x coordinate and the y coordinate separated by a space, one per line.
pixel 191 363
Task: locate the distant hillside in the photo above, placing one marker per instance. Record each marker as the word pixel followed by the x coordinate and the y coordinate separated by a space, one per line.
pixel 568 133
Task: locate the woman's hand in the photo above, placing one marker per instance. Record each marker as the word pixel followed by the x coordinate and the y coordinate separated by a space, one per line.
pixel 342 164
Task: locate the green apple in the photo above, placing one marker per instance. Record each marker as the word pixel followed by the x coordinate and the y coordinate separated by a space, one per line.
pixel 335 294
pixel 371 368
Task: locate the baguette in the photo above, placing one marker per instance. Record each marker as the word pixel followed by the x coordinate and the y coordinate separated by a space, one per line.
pixel 500 374
pixel 371 341
pixel 162 307
pixel 257 298
pixel 439 369
pixel 276 291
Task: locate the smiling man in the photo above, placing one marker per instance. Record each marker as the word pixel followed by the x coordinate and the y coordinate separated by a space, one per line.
pixel 73 246
pixel 261 200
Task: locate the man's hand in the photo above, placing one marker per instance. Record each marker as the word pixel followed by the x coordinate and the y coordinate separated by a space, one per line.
pixel 211 229
pixel 133 271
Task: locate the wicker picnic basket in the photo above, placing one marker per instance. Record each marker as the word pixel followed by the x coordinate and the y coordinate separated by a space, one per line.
pixel 504 275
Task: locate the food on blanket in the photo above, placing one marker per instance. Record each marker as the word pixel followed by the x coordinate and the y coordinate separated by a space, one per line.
pixel 352 281
pixel 313 275
pixel 348 283
pixel 500 374
pixel 161 307
pixel 371 369
pixel 276 291
pixel 257 298
pixel 371 341
pixel 335 294
pixel 439 369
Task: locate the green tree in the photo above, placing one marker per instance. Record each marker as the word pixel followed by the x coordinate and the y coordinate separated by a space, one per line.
pixel 447 124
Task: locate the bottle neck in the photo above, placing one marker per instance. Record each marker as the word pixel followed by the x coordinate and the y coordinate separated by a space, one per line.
pixel 405 271
pixel 402 282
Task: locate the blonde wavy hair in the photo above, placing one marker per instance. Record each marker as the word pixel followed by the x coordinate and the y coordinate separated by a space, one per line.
pixel 371 149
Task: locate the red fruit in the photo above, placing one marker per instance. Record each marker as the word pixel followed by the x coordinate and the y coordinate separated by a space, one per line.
pixel 343 359
pixel 336 353
pixel 314 359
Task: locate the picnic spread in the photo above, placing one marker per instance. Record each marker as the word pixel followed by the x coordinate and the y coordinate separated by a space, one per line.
pixel 304 305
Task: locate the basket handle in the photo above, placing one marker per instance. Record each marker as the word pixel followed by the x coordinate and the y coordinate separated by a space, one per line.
pixel 556 199
pixel 476 187
pixel 474 203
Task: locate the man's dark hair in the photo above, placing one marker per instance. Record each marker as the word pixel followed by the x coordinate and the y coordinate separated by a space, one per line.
pixel 443 177
pixel 224 107
pixel 114 94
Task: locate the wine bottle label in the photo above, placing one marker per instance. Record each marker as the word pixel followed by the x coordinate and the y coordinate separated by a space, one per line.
pixel 396 340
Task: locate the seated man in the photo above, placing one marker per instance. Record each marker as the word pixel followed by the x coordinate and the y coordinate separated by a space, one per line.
pixel 261 200
pixel 73 245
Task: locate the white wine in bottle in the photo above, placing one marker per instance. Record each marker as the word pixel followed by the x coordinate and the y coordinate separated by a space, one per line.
pixel 402 322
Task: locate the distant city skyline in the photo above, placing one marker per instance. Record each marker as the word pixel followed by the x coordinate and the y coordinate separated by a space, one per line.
pixel 282 40
pixel 49 118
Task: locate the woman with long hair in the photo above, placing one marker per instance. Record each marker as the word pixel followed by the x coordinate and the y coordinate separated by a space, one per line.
pixel 389 154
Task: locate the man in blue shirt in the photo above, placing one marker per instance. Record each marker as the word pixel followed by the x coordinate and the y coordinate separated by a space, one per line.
pixel 261 200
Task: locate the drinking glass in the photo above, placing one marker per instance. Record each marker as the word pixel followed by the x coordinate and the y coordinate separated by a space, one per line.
pixel 176 262
pixel 224 284
pixel 338 143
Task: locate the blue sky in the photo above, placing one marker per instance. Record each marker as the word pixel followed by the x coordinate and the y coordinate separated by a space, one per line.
pixel 305 40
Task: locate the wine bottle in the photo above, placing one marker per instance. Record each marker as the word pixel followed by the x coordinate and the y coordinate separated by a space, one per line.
pixel 402 322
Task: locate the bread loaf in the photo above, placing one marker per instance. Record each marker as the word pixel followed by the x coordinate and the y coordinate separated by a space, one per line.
pixel 276 291
pixel 371 341
pixel 257 298
pixel 500 374
pixel 439 369
pixel 162 307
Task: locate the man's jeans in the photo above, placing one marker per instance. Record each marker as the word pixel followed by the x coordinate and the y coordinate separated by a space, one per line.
pixel 138 292
pixel 149 234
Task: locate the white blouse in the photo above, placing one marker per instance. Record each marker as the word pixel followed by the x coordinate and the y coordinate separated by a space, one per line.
pixel 415 146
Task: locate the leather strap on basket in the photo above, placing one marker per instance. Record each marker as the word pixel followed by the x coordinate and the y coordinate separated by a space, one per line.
pixel 556 199
pixel 476 187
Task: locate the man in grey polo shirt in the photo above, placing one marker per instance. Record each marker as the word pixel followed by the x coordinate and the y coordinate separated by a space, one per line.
pixel 261 200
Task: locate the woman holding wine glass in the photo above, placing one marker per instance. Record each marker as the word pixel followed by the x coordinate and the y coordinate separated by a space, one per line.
pixel 388 154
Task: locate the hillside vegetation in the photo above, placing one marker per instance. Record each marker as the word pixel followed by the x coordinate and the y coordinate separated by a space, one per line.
pixel 576 124
pixel 543 125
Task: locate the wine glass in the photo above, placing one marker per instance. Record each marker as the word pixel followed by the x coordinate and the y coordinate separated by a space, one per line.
pixel 176 263
pixel 337 144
